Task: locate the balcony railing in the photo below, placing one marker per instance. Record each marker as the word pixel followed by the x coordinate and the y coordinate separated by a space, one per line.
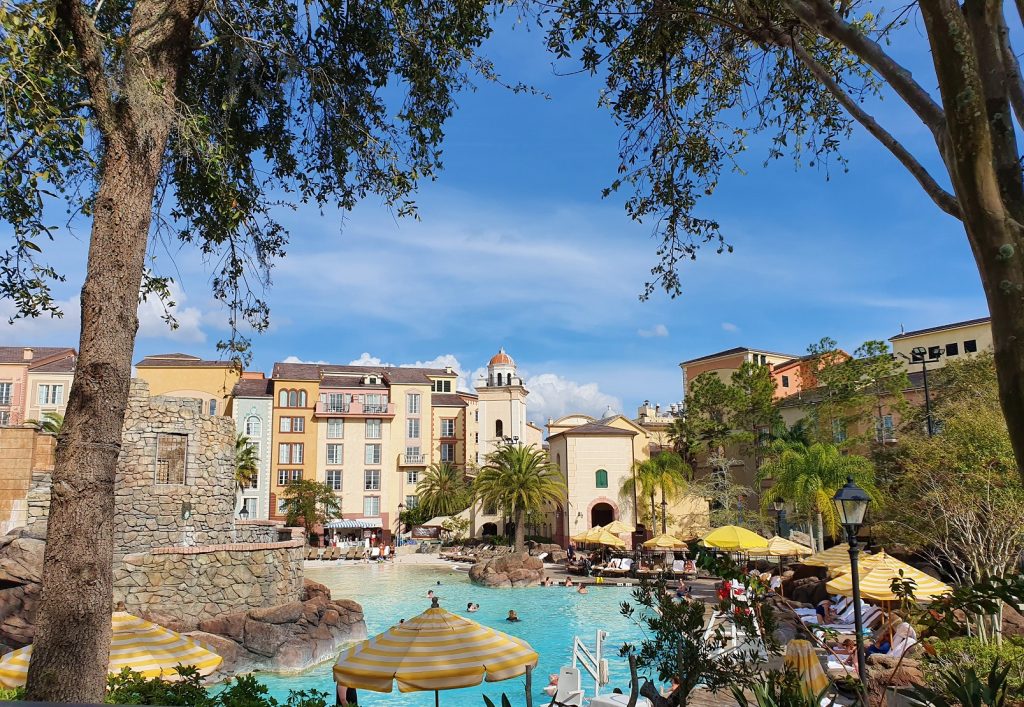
pixel 414 459
pixel 354 409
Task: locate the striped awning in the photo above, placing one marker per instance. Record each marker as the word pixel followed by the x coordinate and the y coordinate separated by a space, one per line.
pixel 354 523
pixel 436 650
pixel 138 644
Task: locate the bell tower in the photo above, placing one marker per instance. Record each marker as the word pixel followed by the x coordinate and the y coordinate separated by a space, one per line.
pixel 502 405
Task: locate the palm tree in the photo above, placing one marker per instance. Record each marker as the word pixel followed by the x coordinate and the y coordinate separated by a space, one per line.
pixel 52 422
pixel 809 476
pixel 643 482
pixel 308 503
pixel 247 463
pixel 667 473
pixel 519 479
pixel 443 490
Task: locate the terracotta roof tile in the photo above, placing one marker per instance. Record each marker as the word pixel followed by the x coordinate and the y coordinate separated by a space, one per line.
pixel 447 400
pixel 954 325
pixel 16 354
pixel 173 362
pixel 596 429
pixel 253 388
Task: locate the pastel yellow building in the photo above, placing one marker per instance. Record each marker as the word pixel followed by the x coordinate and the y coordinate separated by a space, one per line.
pixel 186 376
pixel 939 344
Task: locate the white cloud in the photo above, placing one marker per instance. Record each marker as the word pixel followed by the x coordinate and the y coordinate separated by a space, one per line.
pixel 658 330
pixel 465 378
pixel 296 359
pixel 190 319
pixel 553 396
pixel 729 326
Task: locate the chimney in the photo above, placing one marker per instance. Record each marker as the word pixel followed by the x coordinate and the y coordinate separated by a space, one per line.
pixel 448 370
pixel 28 354
pixel 657 410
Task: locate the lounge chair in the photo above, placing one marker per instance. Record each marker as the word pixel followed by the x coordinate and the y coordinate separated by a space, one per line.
pixel 313 553
pixel 612 566
pixel 354 553
pixel 374 553
pixel 650 572
pixel 870 617
pixel 625 565
pixel 332 553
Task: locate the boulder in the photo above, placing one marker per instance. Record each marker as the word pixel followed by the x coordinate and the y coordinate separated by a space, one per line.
pixel 516 570
pixel 263 638
pixel 22 561
pixel 1013 621
pixel 17 614
pixel 296 654
pixel 312 590
pixel 229 625
pixel 281 614
pixel 224 647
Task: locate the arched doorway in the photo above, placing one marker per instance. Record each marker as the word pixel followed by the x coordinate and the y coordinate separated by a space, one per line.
pixel 490 529
pixel 601 514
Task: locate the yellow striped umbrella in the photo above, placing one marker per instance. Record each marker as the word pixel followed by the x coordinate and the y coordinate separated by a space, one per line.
pixel 876 581
pixel 580 537
pixel 137 644
pixel 833 557
pixel 800 657
pixel 733 537
pixel 664 541
pixel 605 538
pixel 781 547
pixel 617 527
pixel 436 650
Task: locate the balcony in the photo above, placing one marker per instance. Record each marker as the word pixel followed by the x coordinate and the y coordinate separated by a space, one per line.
pixel 413 460
pixel 354 409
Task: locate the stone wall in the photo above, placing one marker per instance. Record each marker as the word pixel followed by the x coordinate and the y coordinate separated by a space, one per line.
pixel 23 451
pixel 152 514
pixel 192 584
pixel 261 531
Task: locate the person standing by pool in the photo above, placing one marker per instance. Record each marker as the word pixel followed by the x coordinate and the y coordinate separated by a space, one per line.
pixel 345 696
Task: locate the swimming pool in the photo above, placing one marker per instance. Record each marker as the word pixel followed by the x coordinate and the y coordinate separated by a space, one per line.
pixel 550 617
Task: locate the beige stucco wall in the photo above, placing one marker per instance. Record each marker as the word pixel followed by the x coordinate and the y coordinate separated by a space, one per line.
pixel 34 410
pixel 205 383
pixel 981 334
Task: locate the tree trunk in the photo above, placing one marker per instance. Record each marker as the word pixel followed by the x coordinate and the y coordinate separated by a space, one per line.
pixel 986 176
pixel 654 514
pixel 72 640
pixel 520 535
pixel 664 512
pixel 821 532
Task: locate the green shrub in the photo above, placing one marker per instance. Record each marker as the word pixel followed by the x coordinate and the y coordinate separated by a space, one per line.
pixel 972 653
pixel 15 695
pixel 131 688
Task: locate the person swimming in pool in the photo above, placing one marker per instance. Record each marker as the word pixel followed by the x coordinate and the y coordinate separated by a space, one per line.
pixel 512 616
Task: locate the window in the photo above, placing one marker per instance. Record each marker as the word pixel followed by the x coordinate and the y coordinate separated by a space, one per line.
pixel 412 477
pixel 412 456
pixel 499 429
pixel 213 407
pixel 282 399
pixel 282 477
pixel 51 394
pixel 335 454
pixel 254 483
pixel 372 455
pixel 934 352
pixel 282 507
pixel 476 437
pixel 953 349
pixel 371 480
pixel 375 403
pixel 448 427
pixel 170 458
pixel 785 381
pixel 601 479
pixel 970 346
pixel 885 429
pixel 296 475
pixel 373 429
pixel 335 428
pixel 838 431
pixel 411 502
pixel 412 403
pixel 371 505
pixel 5 393
pixel 334 479
pixel 291 399
pixel 5 417
pixel 249 504
pixel 290 453
pixel 447 452
pixel 253 426
pixel 336 402
pixel 292 424
pixel 441 386
pixel 412 428
pixel 476 415
pixel 490 509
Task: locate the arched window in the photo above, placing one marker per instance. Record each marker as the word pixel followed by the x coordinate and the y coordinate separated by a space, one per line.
pixel 293 398
pixel 213 407
pixel 302 398
pixel 282 399
pixel 601 479
pixel 499 429
pixel 253 426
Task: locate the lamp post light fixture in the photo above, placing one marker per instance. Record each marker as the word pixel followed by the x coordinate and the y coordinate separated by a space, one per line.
pixel 243 512
pixel 401 507
pixel 780 510
pixel 851 504
pixel 514 439
pixel 920 354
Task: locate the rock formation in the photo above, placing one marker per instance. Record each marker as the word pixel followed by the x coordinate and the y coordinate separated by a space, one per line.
pixel 516 570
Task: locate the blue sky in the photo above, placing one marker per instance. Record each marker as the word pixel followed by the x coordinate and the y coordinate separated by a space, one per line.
pixel 515 248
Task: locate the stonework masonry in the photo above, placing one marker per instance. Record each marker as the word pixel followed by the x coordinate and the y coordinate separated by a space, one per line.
pixel 23 452
pixel 195 509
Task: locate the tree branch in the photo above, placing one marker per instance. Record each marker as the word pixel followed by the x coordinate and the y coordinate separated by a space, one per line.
pixel 942 198
pixel 89 46
pixel 823 17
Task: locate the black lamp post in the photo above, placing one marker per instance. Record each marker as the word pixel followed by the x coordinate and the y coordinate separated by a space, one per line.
pixel 920 354
pixel 243 513
pixel 401 507
pixel 780 509
pixel 664 512
pixel 851 504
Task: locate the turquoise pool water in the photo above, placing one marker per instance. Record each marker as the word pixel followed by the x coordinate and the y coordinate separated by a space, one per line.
pixel 551 616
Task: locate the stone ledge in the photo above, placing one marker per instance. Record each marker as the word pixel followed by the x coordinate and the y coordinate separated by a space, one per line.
pixel 268 523
pixel 227 547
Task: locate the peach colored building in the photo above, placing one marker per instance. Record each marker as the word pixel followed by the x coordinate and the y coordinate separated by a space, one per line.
pixel 725 363
pixel 34 381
